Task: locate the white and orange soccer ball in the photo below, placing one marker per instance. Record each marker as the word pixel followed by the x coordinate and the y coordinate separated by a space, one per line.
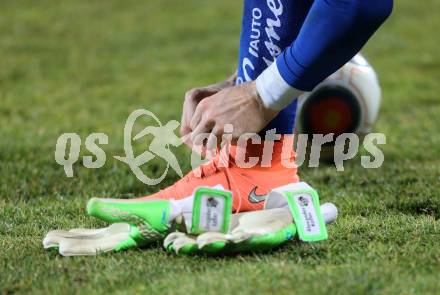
pixel 346 102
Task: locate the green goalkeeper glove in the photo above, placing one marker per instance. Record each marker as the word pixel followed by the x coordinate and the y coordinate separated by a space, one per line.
pixel 290 211
pixel 139 223
pixel 134 224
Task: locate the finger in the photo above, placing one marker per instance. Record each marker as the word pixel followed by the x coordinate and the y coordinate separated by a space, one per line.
pixel 201 132
pixel 184 127
pixel 240 236
pixel 186 139
pixel 214 139
pixel 192 94
pixel 184 244
pixel 54 237
pixel 189 107
pixel 197 94
pixel 185 130
pixel 212 241
pixel 80 247
pixel 329 212
pixel 199 149
pixel 106 240
pixel 197 117
pixel 169 240
pixel 87 231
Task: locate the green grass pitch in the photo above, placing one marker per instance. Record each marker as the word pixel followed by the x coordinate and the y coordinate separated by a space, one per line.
pixel 83 66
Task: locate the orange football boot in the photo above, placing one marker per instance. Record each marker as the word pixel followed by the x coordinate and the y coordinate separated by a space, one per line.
pixel 249 186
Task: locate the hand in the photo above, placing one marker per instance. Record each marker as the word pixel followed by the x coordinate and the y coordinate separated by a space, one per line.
pixel 240 106
pixel 192 99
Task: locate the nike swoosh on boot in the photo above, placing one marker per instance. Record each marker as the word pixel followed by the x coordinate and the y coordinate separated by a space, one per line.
pixel 254 198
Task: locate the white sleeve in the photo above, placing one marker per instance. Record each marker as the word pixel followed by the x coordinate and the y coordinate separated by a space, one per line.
pixel 275 93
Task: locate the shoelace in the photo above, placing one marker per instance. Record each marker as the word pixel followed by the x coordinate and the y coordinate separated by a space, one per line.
pixel 222 163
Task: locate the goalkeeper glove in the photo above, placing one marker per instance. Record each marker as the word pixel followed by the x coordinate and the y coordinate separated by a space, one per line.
pixel 139 223
pixel 134 224
pixel 290 211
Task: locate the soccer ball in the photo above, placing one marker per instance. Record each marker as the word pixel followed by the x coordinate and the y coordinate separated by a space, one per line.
pixel 348 101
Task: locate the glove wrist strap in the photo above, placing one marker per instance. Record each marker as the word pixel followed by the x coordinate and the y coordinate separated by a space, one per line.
pixel 212 209
pixel 303 203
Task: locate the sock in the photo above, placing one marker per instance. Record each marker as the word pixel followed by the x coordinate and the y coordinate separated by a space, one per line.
pixel 269 26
